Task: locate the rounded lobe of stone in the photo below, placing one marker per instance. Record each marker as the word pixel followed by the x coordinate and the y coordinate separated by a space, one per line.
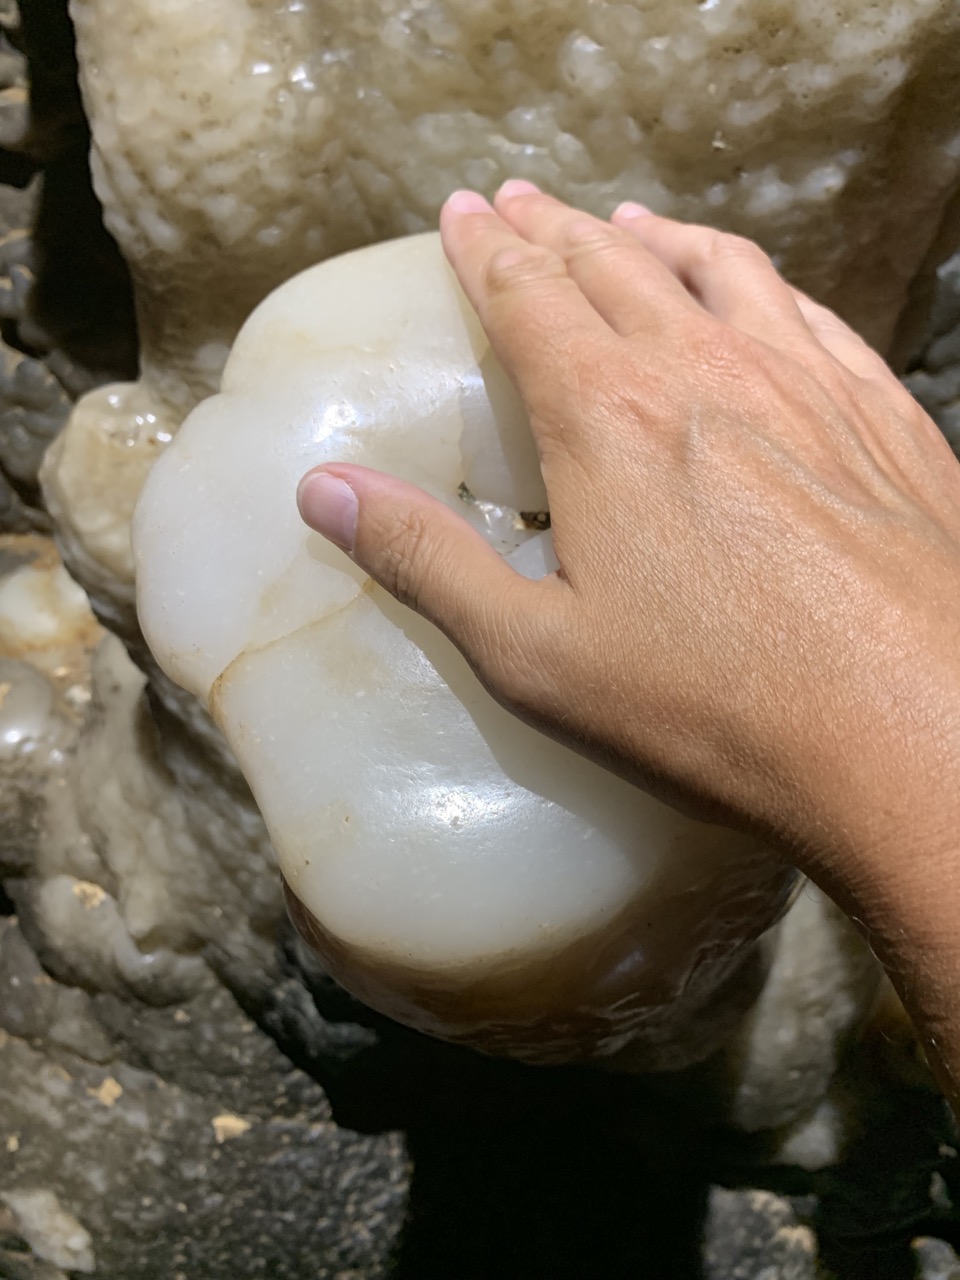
pixel 445 846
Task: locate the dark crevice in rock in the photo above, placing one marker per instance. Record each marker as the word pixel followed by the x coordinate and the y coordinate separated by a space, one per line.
pixel 82 297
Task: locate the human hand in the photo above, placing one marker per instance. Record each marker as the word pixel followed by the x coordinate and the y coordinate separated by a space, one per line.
pixel 758 529
pixel 758 533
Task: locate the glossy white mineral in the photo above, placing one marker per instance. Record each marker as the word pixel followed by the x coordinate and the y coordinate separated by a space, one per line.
pixel 453 866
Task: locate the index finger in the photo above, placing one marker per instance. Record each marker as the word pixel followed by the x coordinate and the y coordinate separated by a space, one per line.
pixel 541 327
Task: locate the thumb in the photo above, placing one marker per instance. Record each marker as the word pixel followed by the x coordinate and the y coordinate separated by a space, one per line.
pixel 428 557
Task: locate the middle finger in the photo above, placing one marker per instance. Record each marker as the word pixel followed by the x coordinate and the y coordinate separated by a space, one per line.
pixel 626 284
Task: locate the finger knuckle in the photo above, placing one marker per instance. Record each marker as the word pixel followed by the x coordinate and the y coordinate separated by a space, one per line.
pixel 718 351
pixel 826 323
pixel 724 248
pixel 589 238
pixel 742 374
pixel 518 269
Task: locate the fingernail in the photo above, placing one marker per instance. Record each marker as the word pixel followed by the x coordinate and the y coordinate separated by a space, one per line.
pixel 468 202
pixel 629 209
pixel 518 187
pixel 329 505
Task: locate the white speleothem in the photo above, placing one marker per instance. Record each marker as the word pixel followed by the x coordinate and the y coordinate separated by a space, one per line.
pixel 237 142
pixel 452 866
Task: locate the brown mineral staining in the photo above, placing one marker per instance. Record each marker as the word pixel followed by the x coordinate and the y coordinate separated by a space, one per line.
pixel 42 610
pixel 91 895
pixel 32 548
pixel 544 1007
pixel 45 621
pixel 227 1126
pixel 108 1091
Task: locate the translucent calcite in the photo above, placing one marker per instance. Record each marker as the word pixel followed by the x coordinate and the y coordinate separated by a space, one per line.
pixel 453 867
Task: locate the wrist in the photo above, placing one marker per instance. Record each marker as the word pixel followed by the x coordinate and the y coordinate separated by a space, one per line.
pixel 891 859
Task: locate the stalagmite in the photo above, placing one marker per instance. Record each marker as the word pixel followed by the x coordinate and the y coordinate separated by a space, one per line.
pixel 454 867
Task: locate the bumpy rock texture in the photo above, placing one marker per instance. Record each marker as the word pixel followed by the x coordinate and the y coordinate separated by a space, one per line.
pixel 935 373
pixel 298 130
pixel 239 141
pixel 183 1092
pixel 53 249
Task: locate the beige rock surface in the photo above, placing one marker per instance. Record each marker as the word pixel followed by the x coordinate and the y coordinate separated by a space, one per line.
pixel 121 854
pixel 52 1232
pixel 238 141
